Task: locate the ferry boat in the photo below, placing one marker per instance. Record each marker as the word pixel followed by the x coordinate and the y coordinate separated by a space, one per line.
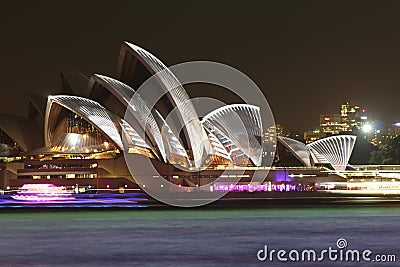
pixel 43 192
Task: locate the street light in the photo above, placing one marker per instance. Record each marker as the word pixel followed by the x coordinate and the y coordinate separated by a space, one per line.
pixel 367 128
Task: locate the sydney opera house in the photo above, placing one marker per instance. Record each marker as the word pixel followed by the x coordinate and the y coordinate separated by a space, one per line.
pixel 71 139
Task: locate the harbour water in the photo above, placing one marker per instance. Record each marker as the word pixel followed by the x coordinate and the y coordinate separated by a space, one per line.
pixel 192 237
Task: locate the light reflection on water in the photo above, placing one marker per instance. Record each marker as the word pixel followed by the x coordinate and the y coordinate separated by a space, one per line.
pixel 189 237
pixel 129 200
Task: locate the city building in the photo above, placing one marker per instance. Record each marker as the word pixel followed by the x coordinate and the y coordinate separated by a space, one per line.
pixel 379 137
pixel 314 135
pixel 332 123
pixel 353 117
pixel 394 130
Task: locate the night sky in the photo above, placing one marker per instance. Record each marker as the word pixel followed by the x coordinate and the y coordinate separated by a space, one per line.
pixel 307 56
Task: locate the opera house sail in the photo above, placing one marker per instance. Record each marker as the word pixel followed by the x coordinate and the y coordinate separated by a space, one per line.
pixel 335 150
pixel 239 125
pixel 194 133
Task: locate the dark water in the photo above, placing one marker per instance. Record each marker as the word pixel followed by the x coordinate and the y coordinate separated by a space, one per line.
pixel 191 237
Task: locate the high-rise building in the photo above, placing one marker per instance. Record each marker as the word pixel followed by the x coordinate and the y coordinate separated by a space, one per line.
pixel 279 130
pixel 353 117
pixel 331 123
pixel 389 134
pixel 272 132
pixel 314 135
pixel 396 129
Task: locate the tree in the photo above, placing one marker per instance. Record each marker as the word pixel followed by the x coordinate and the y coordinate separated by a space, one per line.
pixel 361 152
pixel 387 154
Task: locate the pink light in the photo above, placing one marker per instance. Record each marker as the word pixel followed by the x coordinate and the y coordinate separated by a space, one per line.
pixel 35 198
pixel 42 193
pixel 252 187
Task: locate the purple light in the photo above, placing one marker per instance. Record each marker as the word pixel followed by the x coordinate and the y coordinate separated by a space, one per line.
pixel 128 200
pixel 36 198
pixel 282 176
pixel 255 188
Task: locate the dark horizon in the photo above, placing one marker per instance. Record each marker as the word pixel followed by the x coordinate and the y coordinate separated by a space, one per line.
pixel 307 57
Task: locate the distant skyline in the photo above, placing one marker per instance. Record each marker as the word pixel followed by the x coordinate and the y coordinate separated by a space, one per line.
pixel 308 57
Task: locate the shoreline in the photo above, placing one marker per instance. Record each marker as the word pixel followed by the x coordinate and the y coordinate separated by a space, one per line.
pixel 242 200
